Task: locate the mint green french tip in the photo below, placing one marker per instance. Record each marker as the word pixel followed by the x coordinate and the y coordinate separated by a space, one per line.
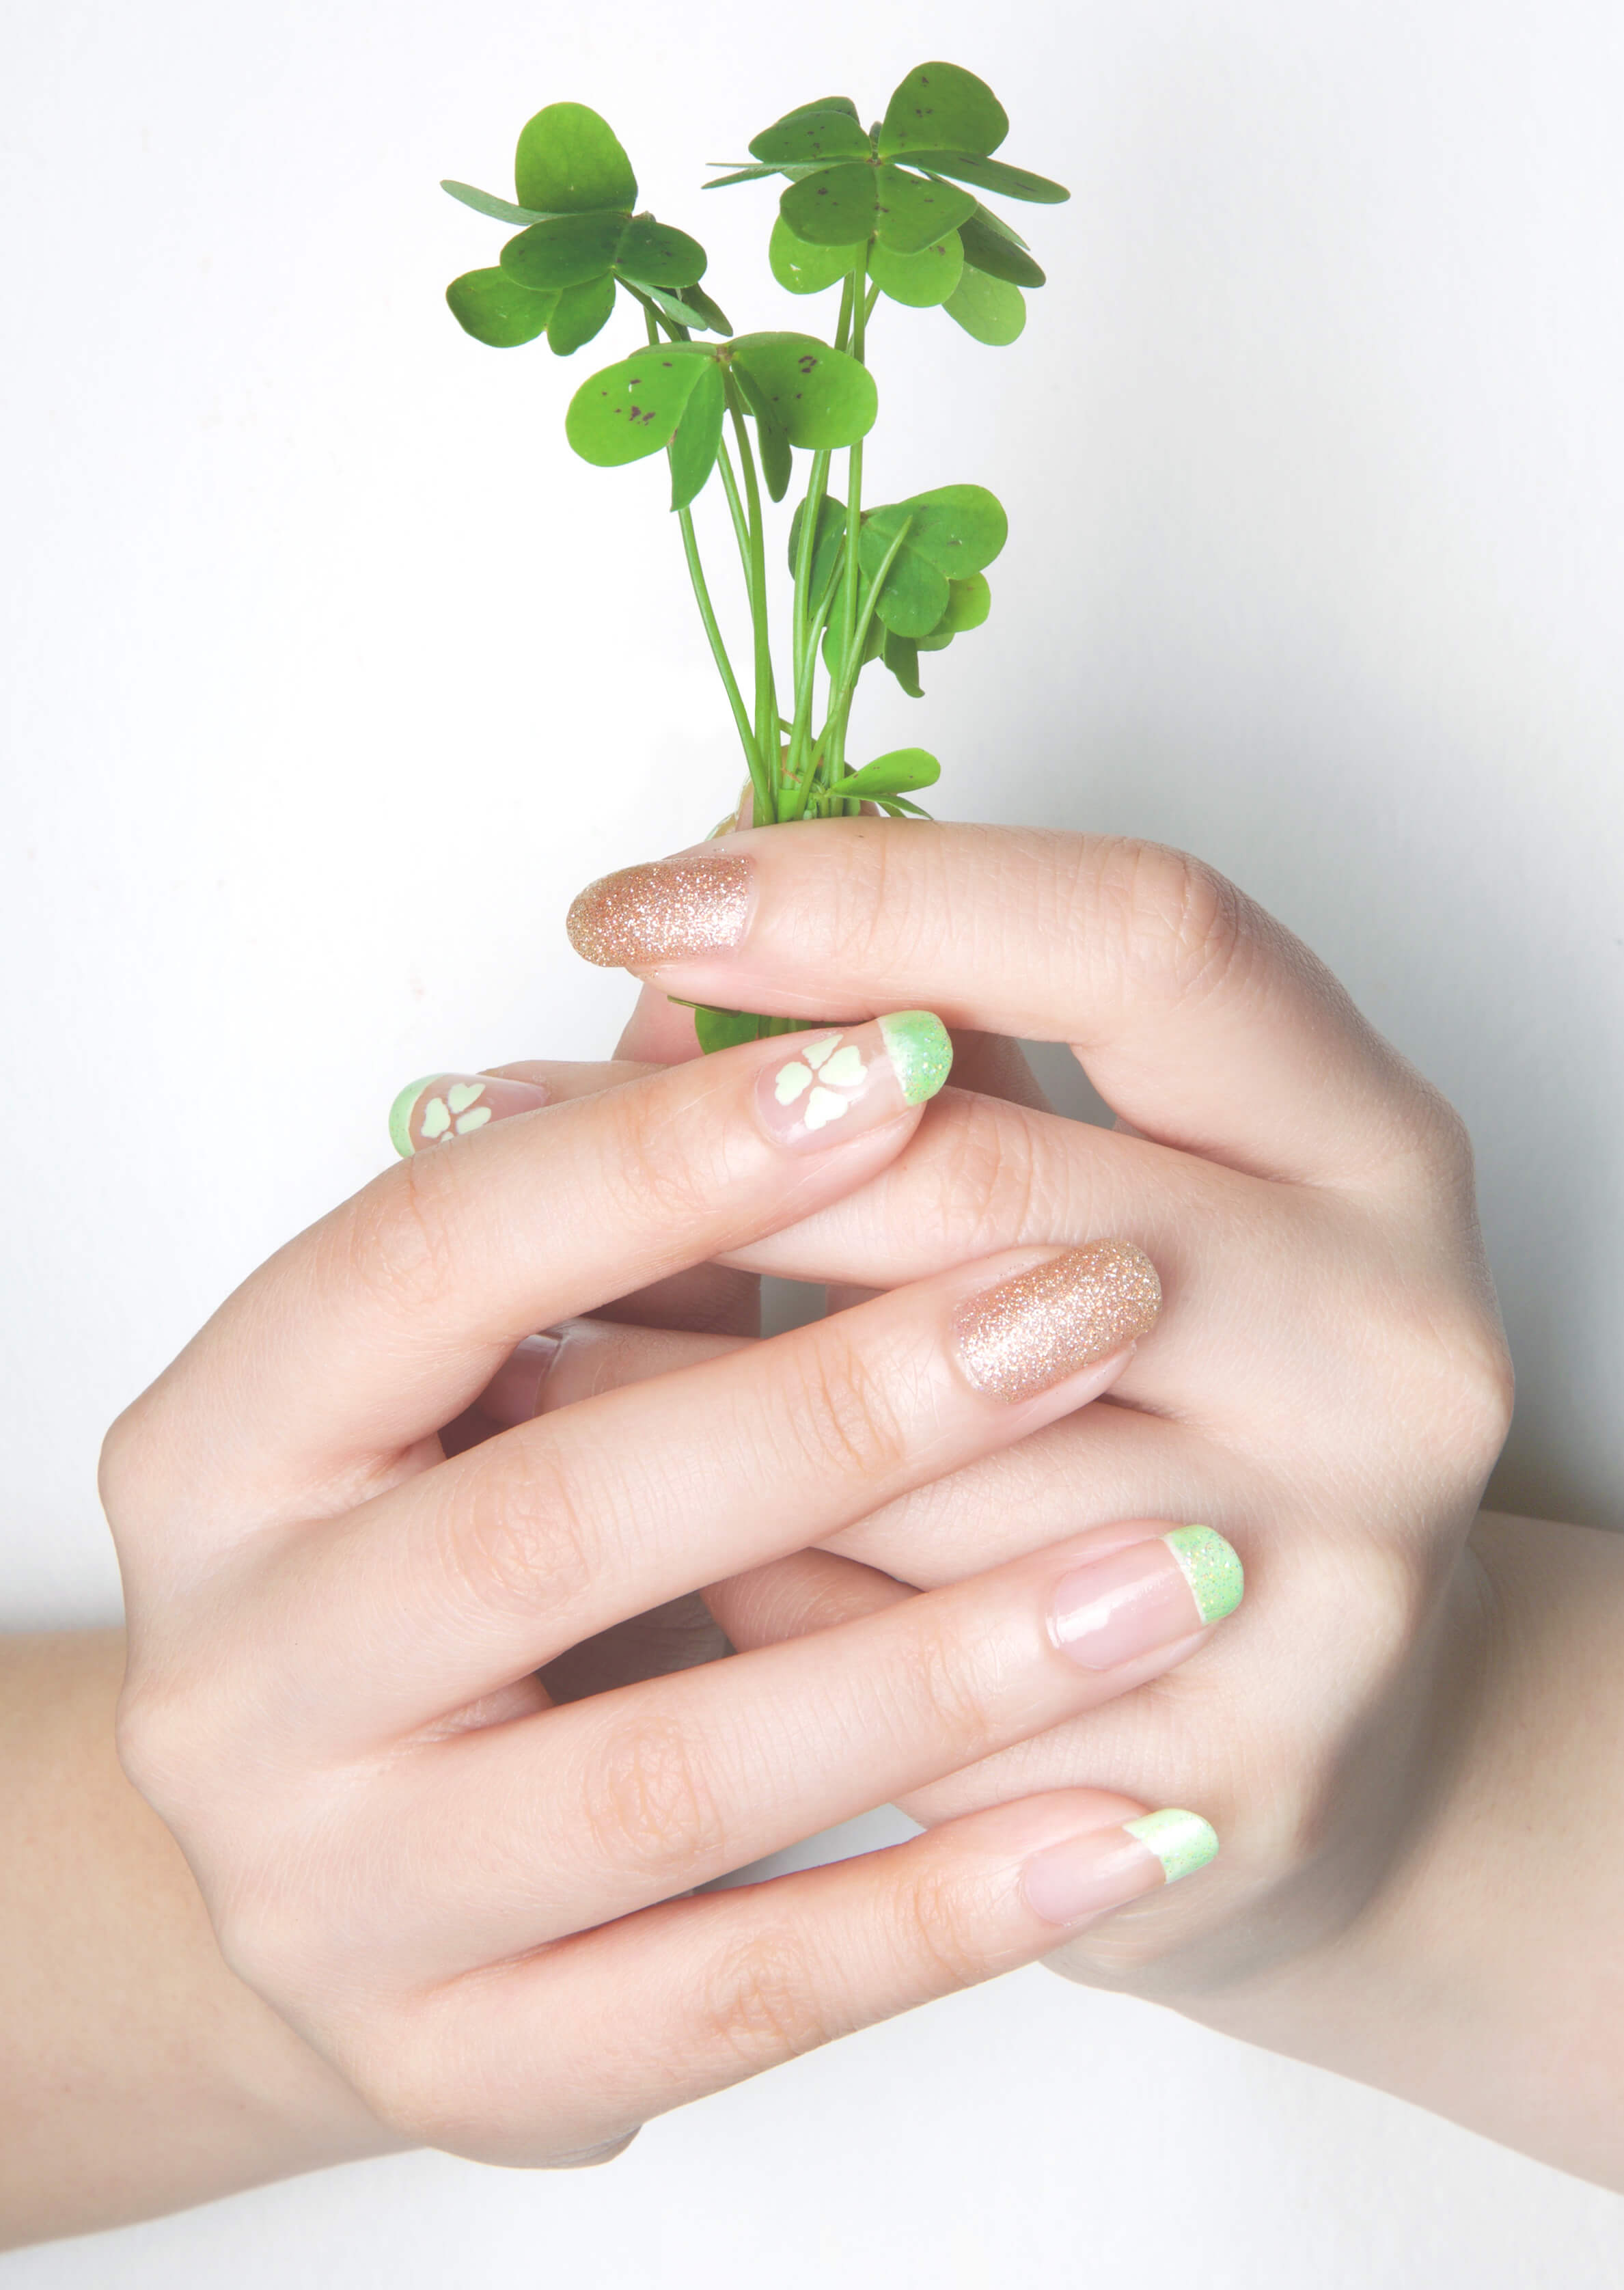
pixel 400 1116
pixel 1182 1842
pixel 920 1053
pixel 1212 1567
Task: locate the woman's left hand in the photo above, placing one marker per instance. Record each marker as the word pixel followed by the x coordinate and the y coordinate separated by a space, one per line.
pixel 1328 1384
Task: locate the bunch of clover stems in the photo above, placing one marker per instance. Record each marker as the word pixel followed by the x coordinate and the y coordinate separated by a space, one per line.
pixel 883 583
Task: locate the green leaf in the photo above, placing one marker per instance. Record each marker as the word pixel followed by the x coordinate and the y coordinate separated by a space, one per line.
pixel 900 807
pixel 680 312
pixel 834 207
pixel 705 312
pixel 939 639
pixel 484 203
pixel 495 308
pixel 739 175
pixel 912 213
pixel 989 251
pixel 820 133
pixel 833 649
pixel 777 462
pixel 652 253
pixel 582 312
pixel 941 107
pixel 893 774
pixel 968 602
pixel 991 308
pixel 957 529
pixel 699 435
pixel 805 268
pixel 901 657
pixel 570 162
pixel 723 1029
pixel 919 280
pixel 916 593
pixel 820 396
pixel 827 542
pixel 631 410
pixel 990 175
pixel 565 251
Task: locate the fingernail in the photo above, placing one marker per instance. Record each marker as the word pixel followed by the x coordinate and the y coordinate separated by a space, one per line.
pixel 1086 1876
pixel 1031 1332
pixel 445 1106
pixel 824 1086
pixel 1150 1595
pixel 697 903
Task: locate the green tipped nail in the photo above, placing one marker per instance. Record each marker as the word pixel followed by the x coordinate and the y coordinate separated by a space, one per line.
pixel 400 1116
pixel 1212 1567
pixel 1182 1842
pixel 920 1053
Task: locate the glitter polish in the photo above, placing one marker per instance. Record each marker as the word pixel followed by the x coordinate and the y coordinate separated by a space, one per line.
pixel 1033 1331
pixel 669 911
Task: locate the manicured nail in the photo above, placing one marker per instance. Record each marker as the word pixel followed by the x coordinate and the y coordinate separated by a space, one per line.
pixel 1031 1332
pixel 1087 1876
pixel 697 903
pixel 445 1106
pixel 824 1086
pixel 1150 1595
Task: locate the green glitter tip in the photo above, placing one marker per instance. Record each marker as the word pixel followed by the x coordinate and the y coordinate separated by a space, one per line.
pixel 1182 1842
pixel 920 1053
pixel 400 1116
pixel 1212 1567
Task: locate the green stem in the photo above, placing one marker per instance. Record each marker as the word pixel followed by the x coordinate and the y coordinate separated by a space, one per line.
pixel 766 695
pixel 735 508
pixel 811 510
pixel 837 729
pixel 701 597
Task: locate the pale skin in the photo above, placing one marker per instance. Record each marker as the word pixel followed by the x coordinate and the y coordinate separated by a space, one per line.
pixel 460 1929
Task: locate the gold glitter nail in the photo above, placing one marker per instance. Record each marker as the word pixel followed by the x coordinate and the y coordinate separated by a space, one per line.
pixel 666 912
pixel 1032 1332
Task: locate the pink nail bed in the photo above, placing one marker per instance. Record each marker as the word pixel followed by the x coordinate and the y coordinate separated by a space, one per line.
pixel 836 1081
pixel 1148 1596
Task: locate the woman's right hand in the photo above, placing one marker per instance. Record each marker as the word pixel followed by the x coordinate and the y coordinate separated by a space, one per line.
pixel 472 1901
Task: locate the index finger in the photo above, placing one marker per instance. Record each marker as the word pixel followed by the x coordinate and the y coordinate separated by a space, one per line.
pixel 1200 1019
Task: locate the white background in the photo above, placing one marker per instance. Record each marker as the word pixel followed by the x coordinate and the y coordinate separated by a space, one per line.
pixel 331 676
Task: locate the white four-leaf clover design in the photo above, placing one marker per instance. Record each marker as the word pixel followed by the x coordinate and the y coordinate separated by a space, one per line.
pixel 832 1072
pixel 454 1114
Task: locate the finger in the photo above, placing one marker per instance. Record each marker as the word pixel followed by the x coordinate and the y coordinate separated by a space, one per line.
pixel 491 1565
pixel 659 1031
pixel 1198 1018
pixel 583 2042
pixel 389 1318
pixel 543 1826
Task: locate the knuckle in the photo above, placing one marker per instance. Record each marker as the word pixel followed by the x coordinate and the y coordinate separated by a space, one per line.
pixel 935 1931
pixel 516 1539
pixel 156 1735
pixel 397 1240
pixel 760 2003
pixel 949 1699
pixel 984 1170
pixel 844 1417
pixel 1182 926
pixel 656 1176
pixel 647 1806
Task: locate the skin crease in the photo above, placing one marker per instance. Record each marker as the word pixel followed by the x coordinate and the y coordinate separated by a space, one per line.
pixel 1397 1735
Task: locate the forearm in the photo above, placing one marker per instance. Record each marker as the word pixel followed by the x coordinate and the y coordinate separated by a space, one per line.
pixel 1485 1981
pixel 137 2074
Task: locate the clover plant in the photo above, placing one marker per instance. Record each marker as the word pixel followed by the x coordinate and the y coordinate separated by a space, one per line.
pixel 890 213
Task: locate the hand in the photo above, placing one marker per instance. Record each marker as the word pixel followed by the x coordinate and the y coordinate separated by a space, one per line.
pixel 1328 1383
pixel 461 1890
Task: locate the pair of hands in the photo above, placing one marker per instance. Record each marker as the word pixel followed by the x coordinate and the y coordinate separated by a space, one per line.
pixel 389 1690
